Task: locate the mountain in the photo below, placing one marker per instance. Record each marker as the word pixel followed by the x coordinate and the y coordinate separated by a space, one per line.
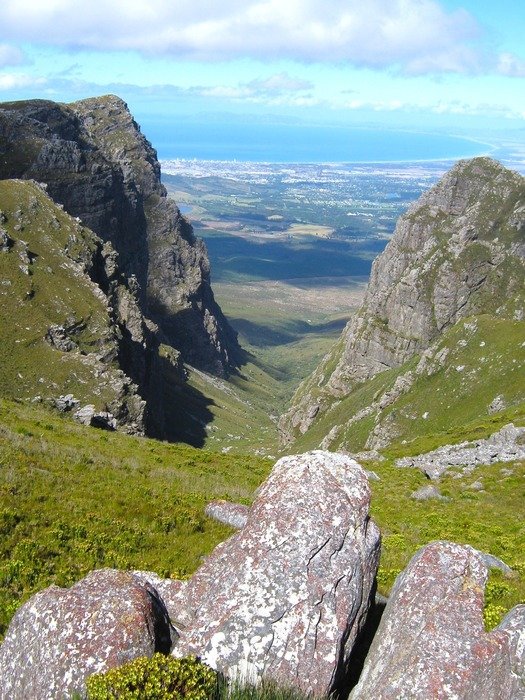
pixel 96 163
pixel 457 255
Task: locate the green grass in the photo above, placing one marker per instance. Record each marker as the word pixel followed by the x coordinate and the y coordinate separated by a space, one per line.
pixel 51 290
pixel 485 359
pixel 73 499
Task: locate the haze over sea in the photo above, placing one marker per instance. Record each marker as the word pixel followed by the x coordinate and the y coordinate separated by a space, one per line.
pixel 306 144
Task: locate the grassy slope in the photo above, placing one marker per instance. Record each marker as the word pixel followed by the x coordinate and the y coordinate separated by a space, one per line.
pixel 485 358
pixel 73 499
pixel 52 290
pixel 283 341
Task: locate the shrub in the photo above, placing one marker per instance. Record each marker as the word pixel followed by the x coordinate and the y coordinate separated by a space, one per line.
pixel 158 678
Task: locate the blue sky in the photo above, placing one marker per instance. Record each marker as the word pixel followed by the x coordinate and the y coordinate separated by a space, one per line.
pixel 445 64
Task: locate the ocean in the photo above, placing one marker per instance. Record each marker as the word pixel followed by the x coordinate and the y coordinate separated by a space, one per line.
pixel 269 143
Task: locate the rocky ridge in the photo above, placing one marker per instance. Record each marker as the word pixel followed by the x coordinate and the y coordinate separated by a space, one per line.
pixel 457 252
pixel 97 164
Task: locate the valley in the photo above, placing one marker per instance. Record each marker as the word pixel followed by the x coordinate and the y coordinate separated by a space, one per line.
pixel 290 248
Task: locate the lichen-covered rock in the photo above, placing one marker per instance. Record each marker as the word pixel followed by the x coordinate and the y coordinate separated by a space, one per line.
pixel 87 415
pixel 427 493
pixel 431 642
pixel 233 514
pixel 61 636
pixel 286 596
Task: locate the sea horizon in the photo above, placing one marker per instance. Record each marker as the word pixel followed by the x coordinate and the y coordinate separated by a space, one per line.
pixel 281 144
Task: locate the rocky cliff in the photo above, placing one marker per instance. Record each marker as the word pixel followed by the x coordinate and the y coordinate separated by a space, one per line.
pixel 97 164
pixel 457 252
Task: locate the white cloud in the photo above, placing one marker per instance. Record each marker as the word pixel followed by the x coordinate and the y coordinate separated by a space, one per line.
pixel 414 35
pixel 14 81
pixel 511 66
pixel 277 89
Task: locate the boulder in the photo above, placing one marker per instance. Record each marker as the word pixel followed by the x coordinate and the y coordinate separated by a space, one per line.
pixel 87 415
pixel 427 493
pixel 431 642
pixel 62 636
pixel 66 403
pixel 286 596
pixel 58 337
pixel 233 514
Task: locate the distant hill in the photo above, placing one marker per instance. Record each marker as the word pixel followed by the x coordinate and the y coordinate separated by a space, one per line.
pixel 439 340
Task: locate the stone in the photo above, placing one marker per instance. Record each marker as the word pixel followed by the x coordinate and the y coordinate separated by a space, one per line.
pixel 426 493
pixel 431 641
pixel 66 403
pixel 493 562
pixel 57 337
pixel 287 595
pixel 506 445
pixel 6 243
pixel 87 415
pixel 233 514
pixel 497 404
pixel 61 636
pixel 170 590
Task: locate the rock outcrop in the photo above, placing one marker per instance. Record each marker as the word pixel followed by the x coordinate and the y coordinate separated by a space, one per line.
pixel 284 598
pixel 507 445
pixel 96 163
pixel 431 641
pixel 287 596
pixel 458 251
pixel 61 636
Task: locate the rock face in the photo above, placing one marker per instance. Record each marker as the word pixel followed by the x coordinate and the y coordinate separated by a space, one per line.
pixel 431 642
pixel 97 164
pixel 61 636
pixel 287 595
pixel 458 251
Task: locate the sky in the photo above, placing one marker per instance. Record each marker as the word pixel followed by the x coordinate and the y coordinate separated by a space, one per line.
pixel 450 65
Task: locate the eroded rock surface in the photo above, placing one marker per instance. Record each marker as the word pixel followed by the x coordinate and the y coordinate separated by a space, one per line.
pixel 431 642
pixel 286 596
pixel 61 636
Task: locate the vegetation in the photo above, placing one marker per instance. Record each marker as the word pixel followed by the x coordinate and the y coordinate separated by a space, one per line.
pixel 158 678
pixel 449 402
pixel 73 499
pixel 491 520
pixel 167 678
pixel 42 285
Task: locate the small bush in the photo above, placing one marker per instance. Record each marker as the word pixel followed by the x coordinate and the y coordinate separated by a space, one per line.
pixel 158 678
